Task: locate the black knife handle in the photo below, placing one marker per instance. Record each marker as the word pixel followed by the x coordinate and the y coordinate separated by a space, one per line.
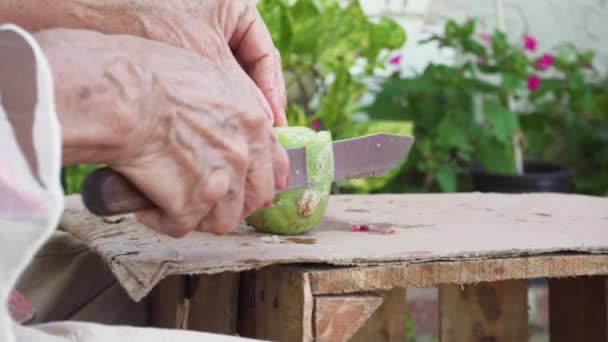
pixel 106 192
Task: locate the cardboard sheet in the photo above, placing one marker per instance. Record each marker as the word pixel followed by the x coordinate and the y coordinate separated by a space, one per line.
pixel 401 228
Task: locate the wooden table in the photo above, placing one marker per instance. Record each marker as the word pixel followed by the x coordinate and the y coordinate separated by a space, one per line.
pixel 339 285
pixel 325 303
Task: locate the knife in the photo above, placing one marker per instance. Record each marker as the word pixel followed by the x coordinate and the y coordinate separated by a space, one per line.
pixel 106 192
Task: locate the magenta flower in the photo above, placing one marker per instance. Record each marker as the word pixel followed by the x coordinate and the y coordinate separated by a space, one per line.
pixel 395 60
pixel 485 37
pixel 529 43
pixel 315 124
pixel 545 61
pixel 533 82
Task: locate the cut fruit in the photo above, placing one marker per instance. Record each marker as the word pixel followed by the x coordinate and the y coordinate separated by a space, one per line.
pixel 300 210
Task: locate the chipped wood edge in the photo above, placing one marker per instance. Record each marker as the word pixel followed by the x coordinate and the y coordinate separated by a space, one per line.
pixel 336 280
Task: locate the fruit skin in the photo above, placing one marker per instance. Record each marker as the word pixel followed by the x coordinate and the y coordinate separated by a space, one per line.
pixel 299 211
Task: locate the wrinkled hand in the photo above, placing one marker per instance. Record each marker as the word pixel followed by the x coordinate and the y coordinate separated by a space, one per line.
pixel 225 31
pixel 190 134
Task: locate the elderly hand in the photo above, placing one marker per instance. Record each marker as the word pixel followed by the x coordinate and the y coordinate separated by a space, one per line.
pixel 191 134
pixel 225 31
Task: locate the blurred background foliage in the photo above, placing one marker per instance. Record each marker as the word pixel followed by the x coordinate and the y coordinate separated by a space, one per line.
pixel 497 97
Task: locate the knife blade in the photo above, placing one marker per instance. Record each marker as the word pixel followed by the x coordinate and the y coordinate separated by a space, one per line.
pixel 106 192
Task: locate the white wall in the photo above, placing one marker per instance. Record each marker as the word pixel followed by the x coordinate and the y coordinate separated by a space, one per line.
pixel 583 22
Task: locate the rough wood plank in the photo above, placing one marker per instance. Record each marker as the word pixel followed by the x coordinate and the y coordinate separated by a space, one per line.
pixel 245 324
pixel 387 323
pixel 336 280
pixel 484 312
pixel 338 317
pixel 213 307
pixel 168 308
pixel 577 309
pixel 281 308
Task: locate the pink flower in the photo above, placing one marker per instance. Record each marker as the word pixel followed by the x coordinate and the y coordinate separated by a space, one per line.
pixel 480 61
pixel 485 37
pixel 315 124
pixel 395 60
pixel 533 82
pixel 529 43
pixel 545 61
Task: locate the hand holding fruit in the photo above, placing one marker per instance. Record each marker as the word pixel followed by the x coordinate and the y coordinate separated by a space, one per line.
pixel 192 135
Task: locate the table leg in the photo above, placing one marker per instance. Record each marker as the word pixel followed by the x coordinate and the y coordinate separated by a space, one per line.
pixel 276 304
pixel 578 309
pixel 167 306
pixel 213 303
pixel 487 312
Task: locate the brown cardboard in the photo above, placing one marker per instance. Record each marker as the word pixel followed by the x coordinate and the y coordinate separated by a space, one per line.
pixel 402 228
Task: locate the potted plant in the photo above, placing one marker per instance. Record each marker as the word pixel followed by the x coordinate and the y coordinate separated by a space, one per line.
pixel 487 121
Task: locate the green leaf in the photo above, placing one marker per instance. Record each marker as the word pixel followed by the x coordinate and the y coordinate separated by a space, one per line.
pixel 296 115
pixel 451 29
pixel 446 178
pixel 75 175
pixel 519 63
pixel 502 121
pixel 474 47
pixel 511 82
pixel 499 43
pixel 344 31
pixel 494 155
pixel 467 29
pixel 451 133
pixel 488 68
pixel 338 103
pixel 386 34
pixel 308 26
pixel 278 19
pixel 585 58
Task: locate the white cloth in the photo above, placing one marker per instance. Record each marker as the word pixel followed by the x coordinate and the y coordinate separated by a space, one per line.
pixel 31 202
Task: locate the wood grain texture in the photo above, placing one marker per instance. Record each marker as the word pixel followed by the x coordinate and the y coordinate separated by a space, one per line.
pixel 338 317
pixel 281 308
pixel 387 323
pixel 484 312
pixel 213 307
pixel 168 307
pixel 335 280
pixel 578 310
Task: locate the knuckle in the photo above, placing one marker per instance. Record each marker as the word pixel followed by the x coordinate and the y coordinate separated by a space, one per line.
pixel 175 208
pixel 241 158
pixel 255 119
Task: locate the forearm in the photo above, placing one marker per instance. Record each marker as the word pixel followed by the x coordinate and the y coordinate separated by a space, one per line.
pixel 109 16
pixel 94 95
